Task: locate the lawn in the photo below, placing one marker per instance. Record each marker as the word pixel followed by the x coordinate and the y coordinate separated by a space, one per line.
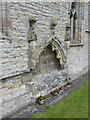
pixel 75 105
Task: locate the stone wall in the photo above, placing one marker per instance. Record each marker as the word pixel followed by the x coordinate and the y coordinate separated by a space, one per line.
pixel 16 93
pixel 21 54
pixel 77 55
pixel 18 87
pixel 16 52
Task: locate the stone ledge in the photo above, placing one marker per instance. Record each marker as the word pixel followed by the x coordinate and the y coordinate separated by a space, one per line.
pixel 74 43
pixel 88 31
pixel 13 75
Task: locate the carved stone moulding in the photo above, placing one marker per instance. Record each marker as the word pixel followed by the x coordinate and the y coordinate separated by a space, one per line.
pixel 56 46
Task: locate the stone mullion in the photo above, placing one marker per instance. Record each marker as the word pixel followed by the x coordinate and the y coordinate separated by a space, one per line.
pixel 0 18
pixel 76 34
pixel 80 22
pixel 4 18
pixel 72 28
pixel 3 13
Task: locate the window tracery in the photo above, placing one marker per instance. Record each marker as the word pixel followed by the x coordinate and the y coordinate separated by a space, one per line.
pixel 76 17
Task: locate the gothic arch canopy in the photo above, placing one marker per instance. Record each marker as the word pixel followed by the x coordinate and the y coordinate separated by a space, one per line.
pixel 56 46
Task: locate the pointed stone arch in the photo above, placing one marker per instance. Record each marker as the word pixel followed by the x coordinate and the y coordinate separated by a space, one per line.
pixel 56 46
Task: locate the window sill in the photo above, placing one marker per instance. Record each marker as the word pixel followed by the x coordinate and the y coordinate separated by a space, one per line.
pixel 74 43
pixel 88 31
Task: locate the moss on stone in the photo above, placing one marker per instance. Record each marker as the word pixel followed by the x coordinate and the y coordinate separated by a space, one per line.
pixel 66 36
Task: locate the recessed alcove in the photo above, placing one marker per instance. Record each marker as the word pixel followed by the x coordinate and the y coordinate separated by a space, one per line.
pixel 47 62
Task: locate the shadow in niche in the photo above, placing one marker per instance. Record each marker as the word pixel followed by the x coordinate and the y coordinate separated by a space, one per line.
pixel 47 62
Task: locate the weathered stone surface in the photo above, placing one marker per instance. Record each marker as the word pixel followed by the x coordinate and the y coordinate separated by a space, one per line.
pixel 33 68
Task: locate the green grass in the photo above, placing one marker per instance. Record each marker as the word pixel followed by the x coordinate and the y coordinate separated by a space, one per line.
pixel 75 105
